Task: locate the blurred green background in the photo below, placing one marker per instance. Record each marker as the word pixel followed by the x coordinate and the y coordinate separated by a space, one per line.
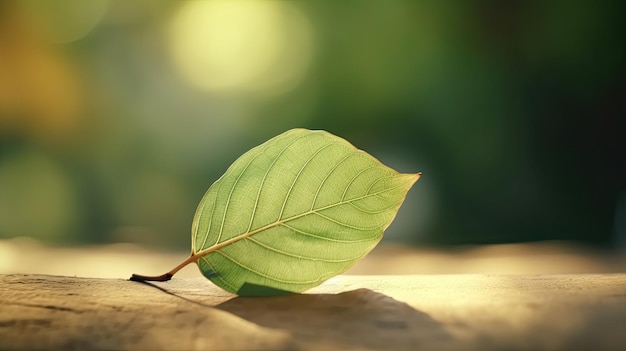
pixel 116 116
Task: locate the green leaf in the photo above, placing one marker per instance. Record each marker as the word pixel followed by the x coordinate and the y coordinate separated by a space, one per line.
pixel 294 212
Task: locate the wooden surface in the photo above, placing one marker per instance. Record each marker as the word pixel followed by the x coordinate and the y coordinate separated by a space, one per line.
pixel 436 312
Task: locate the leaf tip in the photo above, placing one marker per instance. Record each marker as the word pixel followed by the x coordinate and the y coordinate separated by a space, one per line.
pixel 413 177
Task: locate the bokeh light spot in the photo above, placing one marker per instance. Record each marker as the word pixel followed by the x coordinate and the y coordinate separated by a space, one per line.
pixel 241 46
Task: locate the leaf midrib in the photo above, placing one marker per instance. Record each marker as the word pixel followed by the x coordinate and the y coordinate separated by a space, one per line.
pixel 234 239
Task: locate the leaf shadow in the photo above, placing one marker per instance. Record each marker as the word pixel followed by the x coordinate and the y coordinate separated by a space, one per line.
pixel 357 319
pixel 199 303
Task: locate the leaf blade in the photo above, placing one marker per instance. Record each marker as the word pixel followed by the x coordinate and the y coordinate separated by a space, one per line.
pixel 295 211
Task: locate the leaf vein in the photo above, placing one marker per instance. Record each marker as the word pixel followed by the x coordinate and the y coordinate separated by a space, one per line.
pixel 298 231
pixel 328 176
pixel 372 212
pixel 258 195
pixel 208 228
pixel 300 256
pixel 208 263
pixel 295 180
pixel 250 269
pixel 361 229
pixel 354 179
pixel 376 182
pixel 230 194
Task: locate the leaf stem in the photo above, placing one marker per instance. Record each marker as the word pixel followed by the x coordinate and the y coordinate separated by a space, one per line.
pixel 166 276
